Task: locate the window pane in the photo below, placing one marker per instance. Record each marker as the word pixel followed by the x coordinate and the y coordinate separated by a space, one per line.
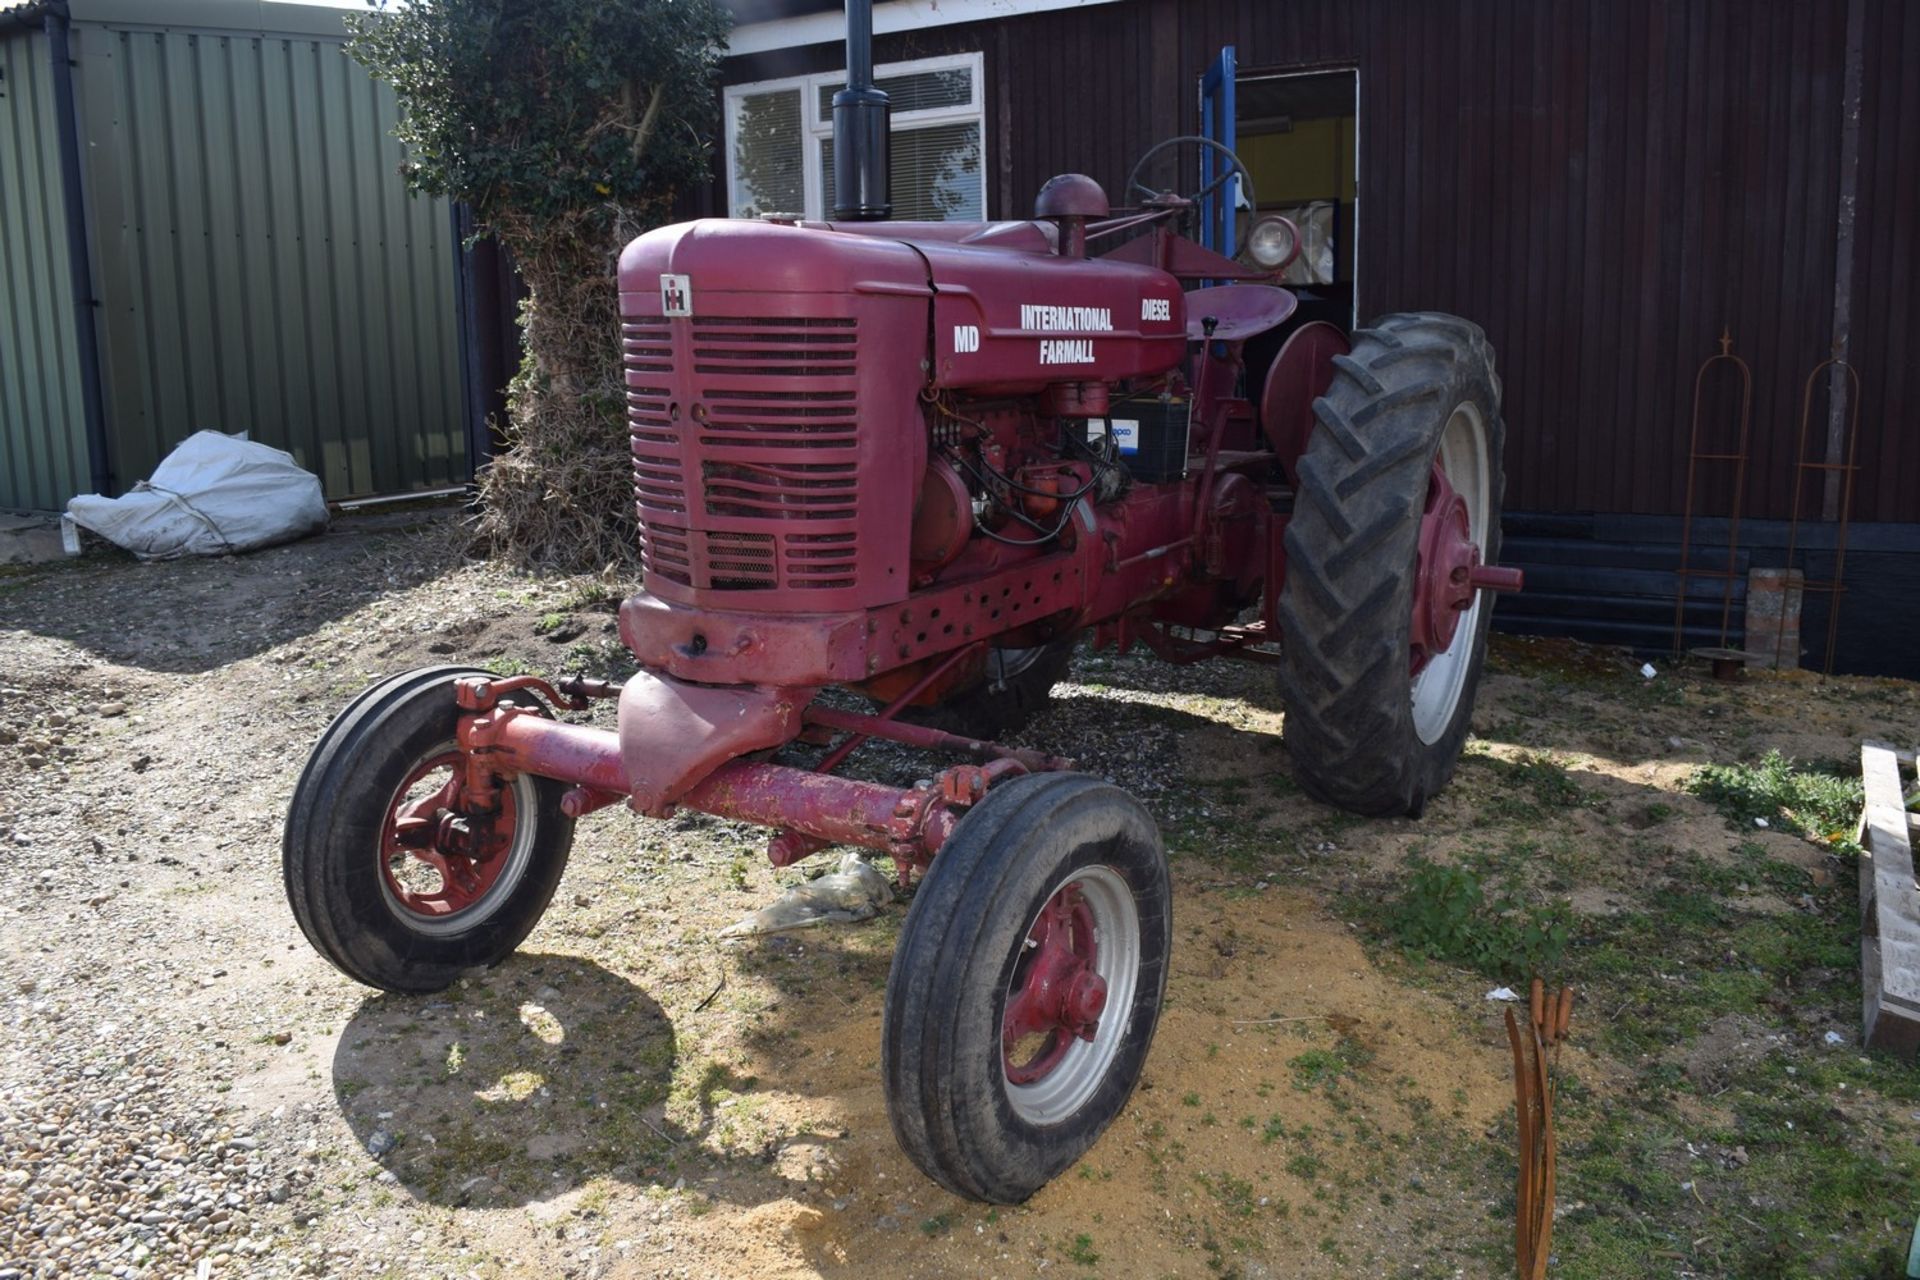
pixel 935 174
pixel 766 174
pixel 920 91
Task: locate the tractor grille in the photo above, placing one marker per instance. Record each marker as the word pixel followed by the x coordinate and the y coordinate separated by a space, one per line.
pixel 745 450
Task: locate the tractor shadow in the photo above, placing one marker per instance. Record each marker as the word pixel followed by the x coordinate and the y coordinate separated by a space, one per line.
pixel 525 1081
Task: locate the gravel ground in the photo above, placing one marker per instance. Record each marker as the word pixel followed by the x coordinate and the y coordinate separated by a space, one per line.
pixel 135 791
pixel 185 1089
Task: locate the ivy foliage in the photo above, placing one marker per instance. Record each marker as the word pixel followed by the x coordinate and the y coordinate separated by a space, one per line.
pixel 536 112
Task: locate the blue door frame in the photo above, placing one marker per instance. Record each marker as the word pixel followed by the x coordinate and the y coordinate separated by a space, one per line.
pixel 1217 124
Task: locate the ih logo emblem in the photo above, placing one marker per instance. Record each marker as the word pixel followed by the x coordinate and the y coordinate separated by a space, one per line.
pixel 676 295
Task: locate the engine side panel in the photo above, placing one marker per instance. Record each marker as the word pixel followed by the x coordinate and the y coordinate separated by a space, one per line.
pixel 1012 323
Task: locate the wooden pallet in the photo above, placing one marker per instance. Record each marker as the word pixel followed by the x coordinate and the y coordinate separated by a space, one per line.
pixel 1889 906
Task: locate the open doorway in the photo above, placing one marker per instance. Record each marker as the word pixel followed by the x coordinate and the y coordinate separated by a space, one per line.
pixel 1298 134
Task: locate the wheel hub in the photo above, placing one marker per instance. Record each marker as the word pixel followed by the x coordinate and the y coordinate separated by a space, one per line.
pixel 1443 589
pixel 1450 573
pixel 1057 995
pixel 436 859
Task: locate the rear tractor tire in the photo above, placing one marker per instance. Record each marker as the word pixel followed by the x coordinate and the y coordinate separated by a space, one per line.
pixel 1026 985
pixel 1404 458
pixel 374 890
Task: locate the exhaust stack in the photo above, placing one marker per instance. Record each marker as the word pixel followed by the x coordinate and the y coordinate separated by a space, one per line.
pixel 860 172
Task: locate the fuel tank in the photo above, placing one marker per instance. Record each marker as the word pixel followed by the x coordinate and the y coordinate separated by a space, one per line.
pixel 1012 315
pixel 1013 323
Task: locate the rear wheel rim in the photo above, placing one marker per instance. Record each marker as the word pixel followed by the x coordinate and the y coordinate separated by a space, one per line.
pixel 1054 1056
pixel 1004 665
pixel 1441 680
pixel 436 891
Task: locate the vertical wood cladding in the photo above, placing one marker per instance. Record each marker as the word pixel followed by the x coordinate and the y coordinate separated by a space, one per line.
pixel 1604 185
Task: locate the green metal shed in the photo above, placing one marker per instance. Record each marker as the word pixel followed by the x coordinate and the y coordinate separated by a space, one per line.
pixel 219 183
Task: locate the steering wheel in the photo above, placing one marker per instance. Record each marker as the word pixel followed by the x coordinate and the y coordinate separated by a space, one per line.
pixel 1233 166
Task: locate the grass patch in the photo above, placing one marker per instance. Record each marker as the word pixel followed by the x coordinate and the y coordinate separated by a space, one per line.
pixel 1446 913
pixel 1534 788
pixel 1236 1195
pixel 1081 1250
pixel 1820 804
pixel 1325 1068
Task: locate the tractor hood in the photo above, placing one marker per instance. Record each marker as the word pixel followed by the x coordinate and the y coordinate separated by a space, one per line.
pixel 669 271
pixel 1010 316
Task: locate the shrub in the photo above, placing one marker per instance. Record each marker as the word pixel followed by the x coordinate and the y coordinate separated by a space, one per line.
pixel 567 126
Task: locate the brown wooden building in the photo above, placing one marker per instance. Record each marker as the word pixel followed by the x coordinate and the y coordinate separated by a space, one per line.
pixel 1606 185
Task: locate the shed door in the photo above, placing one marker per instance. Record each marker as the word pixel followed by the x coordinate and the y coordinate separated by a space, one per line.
pixel 1297 134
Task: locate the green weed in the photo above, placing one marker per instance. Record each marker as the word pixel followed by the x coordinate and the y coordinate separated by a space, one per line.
pixel 1446 914
pixel 1778 791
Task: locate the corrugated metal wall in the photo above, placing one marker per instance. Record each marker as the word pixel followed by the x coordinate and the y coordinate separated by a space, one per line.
pixel 43 451
pixel 259 263
pixel 1602 184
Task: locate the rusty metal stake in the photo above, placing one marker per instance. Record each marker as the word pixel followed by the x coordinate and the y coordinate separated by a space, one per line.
pixel 1533 1092
pixel 1695 456
pixel 1835 587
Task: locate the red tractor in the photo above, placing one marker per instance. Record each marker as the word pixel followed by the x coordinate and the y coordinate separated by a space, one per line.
pixel 921 461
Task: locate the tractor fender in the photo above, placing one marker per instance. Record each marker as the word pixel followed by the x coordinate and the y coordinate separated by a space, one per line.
pixel 673 734
pixel 1301 373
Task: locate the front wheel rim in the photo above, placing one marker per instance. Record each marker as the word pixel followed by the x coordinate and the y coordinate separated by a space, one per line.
pixel 437 891
pixel 1068 1003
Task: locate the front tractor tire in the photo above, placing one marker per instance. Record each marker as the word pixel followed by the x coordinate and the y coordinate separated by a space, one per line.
pixel 1026 985
pixel 1381 656
pixel 376 890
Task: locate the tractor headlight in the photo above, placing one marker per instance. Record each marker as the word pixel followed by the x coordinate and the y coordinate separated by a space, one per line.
pixel 1272 242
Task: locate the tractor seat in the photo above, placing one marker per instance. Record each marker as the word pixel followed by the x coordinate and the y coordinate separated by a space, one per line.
pixel 1241 309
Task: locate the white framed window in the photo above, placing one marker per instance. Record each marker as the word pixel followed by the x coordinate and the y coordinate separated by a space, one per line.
pixel 779 140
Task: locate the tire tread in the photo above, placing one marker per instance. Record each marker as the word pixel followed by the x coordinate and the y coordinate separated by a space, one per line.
pixel 1362 484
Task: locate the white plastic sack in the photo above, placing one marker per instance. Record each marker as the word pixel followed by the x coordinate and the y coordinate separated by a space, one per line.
pixel 214 495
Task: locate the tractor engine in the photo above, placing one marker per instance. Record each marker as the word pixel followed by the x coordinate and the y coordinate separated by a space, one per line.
pixel 828 418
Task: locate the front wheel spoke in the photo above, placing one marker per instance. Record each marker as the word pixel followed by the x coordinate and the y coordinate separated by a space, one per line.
pixel 425 809
pixel 462 877
pixel 461 881
pixel 1024 1018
